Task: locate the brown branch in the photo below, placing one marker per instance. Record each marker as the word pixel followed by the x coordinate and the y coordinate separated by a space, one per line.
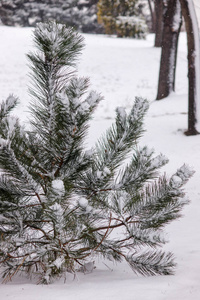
pixel 95 191
pixel 128 245
pixel 40 229
pixel 118 252
pixel 30 205
pixel 104 236
pixel 103 228
pixel 59 167
pixel 124 240
pixel 9 276
pixel 38 196
pixel 112 226
pixel 37 221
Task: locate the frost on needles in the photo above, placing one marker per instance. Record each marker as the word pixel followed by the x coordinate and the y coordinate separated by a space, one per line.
pixel 60 204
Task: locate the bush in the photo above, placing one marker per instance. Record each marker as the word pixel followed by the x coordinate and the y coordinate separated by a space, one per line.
pixel 131 27
pixel 122 18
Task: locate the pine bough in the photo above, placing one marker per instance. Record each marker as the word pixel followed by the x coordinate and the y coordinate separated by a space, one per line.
pixel 60 204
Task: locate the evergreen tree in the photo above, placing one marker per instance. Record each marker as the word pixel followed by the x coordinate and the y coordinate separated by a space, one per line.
pixel 122 17
pixel 60 204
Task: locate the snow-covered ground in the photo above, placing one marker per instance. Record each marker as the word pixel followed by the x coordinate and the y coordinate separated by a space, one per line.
pixel 121 69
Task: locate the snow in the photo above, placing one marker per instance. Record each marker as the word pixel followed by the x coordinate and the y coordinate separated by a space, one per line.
pixel 3 143
pixel 106 171
pixel 83 202
pixel 177 18
pixel 84 206
pixel 121 69
pixel 159 161
pixel 176 181
pixel 58 262
pixel 121 113
pixel 58 185
pixel 87 267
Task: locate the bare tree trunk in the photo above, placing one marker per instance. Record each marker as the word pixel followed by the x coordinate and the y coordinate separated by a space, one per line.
pixel 159 9
pixel 193 64
pixel 171 30
pixel 153 17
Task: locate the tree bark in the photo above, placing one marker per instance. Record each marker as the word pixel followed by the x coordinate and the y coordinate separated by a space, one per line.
pixel 171 30
pixel 159 9
pixel 193 50
pixel 153 17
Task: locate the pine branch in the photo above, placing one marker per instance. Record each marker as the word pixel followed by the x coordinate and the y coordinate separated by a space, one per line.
pixel 141 169
pixel 152 263
pixel 120 138
pixel 7 106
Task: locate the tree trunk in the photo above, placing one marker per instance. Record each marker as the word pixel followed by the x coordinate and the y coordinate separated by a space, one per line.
pixel 171 30
pixel 159 8
pixel 153 16
pixel 193 64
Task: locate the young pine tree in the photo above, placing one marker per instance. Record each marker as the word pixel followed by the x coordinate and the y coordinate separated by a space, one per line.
pixel 60 204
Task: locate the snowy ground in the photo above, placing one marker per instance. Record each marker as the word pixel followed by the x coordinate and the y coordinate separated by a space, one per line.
pixel 121 69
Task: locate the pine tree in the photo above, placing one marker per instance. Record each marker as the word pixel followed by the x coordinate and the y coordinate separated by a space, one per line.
pixel 122 17
pixel 61 204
